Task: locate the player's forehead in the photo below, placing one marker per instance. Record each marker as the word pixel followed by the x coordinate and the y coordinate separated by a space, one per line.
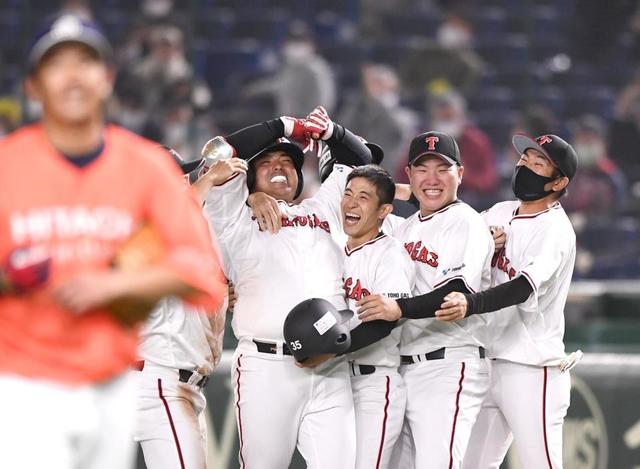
pixel 430 160
pixel 360 184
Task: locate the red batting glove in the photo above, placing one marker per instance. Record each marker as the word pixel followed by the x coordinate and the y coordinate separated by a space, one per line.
pixel 319 124
pixel 25 269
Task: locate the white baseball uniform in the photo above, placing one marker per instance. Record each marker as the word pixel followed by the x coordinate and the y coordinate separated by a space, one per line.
pixel 529 394
pixel 279 405
pixel 443 363
pixel 177 352
pixel 379 266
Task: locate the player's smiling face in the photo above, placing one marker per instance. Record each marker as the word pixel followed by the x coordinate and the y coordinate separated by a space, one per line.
pixel 434 182
pixel 276 176
pixel 72 83
pixel 362 213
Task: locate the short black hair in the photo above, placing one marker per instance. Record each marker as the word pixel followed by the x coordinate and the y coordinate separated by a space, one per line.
pixel 380 178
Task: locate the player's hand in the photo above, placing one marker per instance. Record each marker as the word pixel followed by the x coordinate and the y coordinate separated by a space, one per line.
pixel 25 270
pixel 318 360
pixel 294 129
pixel 453 308
pixel 233 298
pixel 403 191
pixel 222 170
pixel 266 210
pixel 318 124
pixel 499 237
pixel 375 307
pixel 90 290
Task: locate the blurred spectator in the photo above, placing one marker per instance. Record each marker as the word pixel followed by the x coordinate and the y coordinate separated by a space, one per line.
pixel 624 131
pixel 449 58
pixel 599 187
pixel 448 114
pixel 304 79
pixel 375 113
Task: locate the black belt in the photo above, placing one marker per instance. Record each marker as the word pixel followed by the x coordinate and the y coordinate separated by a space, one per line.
pixel 271 347
pixel 183 375
pixel 435 355
pixel 363 369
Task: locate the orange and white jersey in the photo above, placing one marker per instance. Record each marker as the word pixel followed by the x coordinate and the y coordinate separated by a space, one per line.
pixel 81 216
pixel 452 243
pixel 380 266
pixel 542 248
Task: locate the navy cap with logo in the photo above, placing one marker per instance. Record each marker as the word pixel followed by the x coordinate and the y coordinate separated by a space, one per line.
pixel 561 154
pixel 435 143
pixel 68 27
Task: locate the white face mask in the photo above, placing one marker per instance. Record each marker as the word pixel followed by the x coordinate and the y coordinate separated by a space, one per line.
pixel 297 51
pixel 589 153
pixel 451 127
pixel 453 37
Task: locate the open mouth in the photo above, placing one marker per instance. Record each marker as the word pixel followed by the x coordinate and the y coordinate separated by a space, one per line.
pixel 279 179
pixel 432 193
pixel 351 218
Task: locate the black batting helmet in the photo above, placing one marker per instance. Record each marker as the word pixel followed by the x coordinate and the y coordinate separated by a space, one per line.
pixel 290 149
pixel 315 327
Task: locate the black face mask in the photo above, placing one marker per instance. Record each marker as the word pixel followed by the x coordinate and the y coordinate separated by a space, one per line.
pixel 528 185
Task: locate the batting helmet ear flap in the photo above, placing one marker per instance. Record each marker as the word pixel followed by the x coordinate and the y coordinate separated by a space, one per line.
pixel 300 183
pixel 251 177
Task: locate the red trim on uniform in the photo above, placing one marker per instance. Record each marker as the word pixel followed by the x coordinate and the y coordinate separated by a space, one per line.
pixel 534 215
pixel 377 238
pixel 228 180
pixel 544 417
pixel 530 280
pixel 447 280
pixel 173 428
pixel 455 417
pixel 384 424
pixel 239 416
pixel 443 209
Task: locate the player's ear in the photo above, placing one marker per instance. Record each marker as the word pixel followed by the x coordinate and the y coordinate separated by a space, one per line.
pixel 407 171
pixel 384 210
pixel 109 82
pixel 31 88
pixel 558 184
pixel 460 173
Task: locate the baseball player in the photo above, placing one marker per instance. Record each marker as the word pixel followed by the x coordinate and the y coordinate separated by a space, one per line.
pixel 374 262
pixel 530 383
pixel 443 364
pixel 69 203
pixel 180 346
pixel 310 408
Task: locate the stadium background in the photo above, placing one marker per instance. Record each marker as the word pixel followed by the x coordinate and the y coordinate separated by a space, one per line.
pixel 192 69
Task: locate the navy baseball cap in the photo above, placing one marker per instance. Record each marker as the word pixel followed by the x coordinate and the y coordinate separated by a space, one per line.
pixel 554 148
pixel 435 143
pixel 68 27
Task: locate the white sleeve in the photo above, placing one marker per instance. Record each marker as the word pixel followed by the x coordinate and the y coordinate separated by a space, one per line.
pixel 391 222
pixel 544 255
pixel 394 275
pixel 330 193
pixel 465 254
pixel 225 203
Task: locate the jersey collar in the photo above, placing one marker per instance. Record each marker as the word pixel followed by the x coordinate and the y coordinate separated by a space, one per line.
pixel 515 216
pixel 377 238
pixel 443 209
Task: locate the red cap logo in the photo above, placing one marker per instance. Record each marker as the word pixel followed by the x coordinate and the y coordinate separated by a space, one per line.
pixel 431 141
pixel 544 139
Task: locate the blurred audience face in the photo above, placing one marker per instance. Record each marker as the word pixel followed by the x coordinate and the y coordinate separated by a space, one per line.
pixel 590 147
pixel 455 33
pixel 381 83
pixel 448 114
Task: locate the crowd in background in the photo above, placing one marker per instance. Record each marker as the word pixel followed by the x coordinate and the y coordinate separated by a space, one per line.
pixel 388 70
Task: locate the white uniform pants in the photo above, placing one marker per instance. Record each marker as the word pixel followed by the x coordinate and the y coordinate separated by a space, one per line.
pixel 444 397
pixel 525 403
pixel 170 422
pixel 279 405
pixel 54 426
pixel 379 400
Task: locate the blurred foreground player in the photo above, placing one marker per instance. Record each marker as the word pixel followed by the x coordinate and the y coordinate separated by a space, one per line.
pixel 74 190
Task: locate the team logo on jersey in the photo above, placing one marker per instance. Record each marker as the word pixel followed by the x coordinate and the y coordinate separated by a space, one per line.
pixel 419 253
pixel 501 262
pixel 312 221
pixel 354 291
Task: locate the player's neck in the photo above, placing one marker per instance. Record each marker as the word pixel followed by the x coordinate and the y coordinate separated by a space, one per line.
pixel 357 241
pixel 75 139
pixel 536 206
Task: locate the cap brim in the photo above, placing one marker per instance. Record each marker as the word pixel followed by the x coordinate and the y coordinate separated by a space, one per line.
pixel 346 314
pixel 289 148
pixel 191 166
pixel 450 161
pixel 377 153
pixel 523 142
